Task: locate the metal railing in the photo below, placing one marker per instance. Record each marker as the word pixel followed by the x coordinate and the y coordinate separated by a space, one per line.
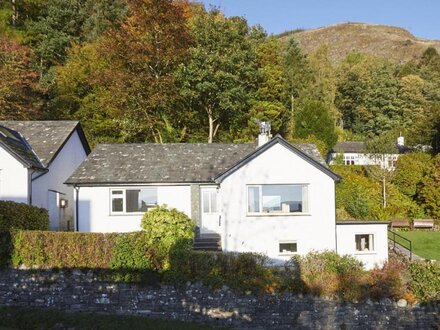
pixel 393 239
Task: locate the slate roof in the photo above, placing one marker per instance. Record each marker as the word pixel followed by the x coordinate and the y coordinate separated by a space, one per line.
pixel 167 163
pixel 46 138
pixel 16 145
pixel 359 148
pixel 349 147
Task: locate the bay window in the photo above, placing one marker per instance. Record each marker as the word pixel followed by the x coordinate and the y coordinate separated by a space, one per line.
pixel 277 198
pixel 133 200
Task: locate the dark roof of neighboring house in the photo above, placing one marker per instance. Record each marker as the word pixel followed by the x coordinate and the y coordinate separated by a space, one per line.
pixel 171 163
pixel 16 145
pixel 359 148
pixel 46 138
pixel 349 147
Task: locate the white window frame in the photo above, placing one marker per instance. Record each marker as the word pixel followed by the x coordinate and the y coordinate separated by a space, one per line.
pixel 124 197
pixel 287 253
pixel 372 243
pixel 211 191
pixel 271 214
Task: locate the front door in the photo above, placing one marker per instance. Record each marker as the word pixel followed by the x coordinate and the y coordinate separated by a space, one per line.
pixel 209 211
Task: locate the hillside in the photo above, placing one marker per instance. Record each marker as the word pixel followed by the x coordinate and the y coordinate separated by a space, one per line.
pixel 392 42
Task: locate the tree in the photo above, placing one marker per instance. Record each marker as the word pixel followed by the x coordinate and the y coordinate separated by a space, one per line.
pixel 219 79
pixel 429 194
pixel 314 120
pixel 298 77
pixel 410 170
pixel 21 97
pixel 123 83
pixel 270 99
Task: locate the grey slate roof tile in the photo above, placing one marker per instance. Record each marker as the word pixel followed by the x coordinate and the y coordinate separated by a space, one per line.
pixel 15 144
pixel 349 147
pixel 166 163
pixel 45 137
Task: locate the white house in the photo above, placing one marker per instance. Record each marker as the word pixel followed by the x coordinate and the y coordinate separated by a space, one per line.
pixel 276 198
pixel 36 157
pixel 355 153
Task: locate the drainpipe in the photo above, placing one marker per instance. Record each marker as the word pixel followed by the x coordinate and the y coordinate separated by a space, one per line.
pixel 76 188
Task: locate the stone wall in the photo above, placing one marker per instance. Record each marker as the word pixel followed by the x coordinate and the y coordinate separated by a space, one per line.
pixel 82 291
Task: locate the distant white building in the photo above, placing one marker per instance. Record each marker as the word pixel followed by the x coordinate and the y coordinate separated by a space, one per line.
pixel 36 157
pixel 355 153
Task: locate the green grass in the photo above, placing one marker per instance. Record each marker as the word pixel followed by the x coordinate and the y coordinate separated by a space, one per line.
pixel 426 244
pixel 23 318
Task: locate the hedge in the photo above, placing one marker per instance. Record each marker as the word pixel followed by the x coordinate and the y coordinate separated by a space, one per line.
pixel 22 216
pixel 425 280
pixel 47 249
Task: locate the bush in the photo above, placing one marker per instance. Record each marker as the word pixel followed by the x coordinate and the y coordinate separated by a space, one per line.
pixel 166 230
pixel 240 271
pixel 22 216
pixel 46 249
pixel 387 282
pixel 327 273
pixel 424 280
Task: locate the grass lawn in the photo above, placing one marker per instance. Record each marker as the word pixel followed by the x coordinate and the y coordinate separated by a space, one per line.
pixel 21 318
pixel 426 244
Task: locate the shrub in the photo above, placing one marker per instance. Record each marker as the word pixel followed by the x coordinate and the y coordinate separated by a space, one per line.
pixel 166 230
pixel 22 216
pixel 326 273
pixel 46 249
pixel 424 280
pixel 239 271
pixel 387 282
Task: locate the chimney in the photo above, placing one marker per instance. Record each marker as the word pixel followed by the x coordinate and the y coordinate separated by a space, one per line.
pixel 400 141
pixel 264 135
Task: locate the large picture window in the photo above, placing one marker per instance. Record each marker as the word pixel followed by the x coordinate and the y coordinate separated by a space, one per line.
pixel 277 198
pixel 133 200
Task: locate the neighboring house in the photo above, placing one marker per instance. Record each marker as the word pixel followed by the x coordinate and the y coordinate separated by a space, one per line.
pixel 355 153
pixel 277 198
pixel 36 157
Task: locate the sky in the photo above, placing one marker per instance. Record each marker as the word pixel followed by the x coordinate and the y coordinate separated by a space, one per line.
pixel 420 17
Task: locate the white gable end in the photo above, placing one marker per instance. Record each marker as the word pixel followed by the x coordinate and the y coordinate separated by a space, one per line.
pixel 14 181
pixel 313 229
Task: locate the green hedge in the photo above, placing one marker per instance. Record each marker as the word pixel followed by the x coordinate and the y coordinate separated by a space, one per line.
pixel 48 249
pixel 22 216
pixel 425 280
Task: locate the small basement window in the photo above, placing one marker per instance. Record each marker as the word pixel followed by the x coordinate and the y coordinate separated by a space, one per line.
pixel 364 242
pixel 287 248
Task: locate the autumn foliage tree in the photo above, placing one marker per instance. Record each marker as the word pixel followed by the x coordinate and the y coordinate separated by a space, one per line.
pixel 20 95
pixel 126 77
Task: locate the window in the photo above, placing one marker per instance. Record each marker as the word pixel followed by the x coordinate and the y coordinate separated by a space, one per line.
pixel 133 200
pixel 277 198
pixel 209 199
pixel 287 248
pixel 364 242
pixel 349 160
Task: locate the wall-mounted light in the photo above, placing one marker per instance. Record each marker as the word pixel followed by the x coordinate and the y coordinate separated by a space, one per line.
pixel 63 203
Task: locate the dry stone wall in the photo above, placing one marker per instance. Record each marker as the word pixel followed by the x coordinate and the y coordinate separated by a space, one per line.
pixel 76 290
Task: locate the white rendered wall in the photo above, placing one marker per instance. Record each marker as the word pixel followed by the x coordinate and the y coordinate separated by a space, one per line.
pixel 367 159
pixel 14 179
pixel 346 243
pixel 262 234
pixel 94 208
pixel 65 163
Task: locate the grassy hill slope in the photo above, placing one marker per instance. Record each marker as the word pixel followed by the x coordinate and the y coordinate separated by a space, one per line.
pixel 392 42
